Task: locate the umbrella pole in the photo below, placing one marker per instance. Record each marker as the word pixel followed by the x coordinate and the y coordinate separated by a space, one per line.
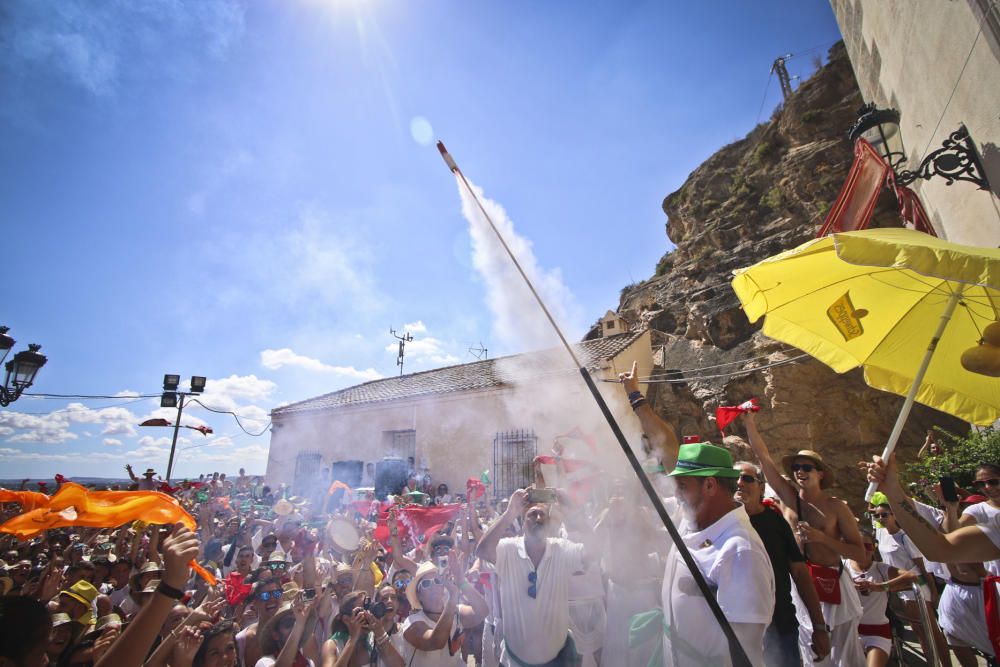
pixel 918 379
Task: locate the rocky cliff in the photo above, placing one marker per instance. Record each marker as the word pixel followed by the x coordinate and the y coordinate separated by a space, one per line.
pixel 752 199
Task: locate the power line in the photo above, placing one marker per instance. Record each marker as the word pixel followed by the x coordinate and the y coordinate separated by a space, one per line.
pixel 84 408
pixel 89 396
pixel 235 416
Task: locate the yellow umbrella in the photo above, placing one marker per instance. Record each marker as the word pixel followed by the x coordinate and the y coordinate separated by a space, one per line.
pixel 900 303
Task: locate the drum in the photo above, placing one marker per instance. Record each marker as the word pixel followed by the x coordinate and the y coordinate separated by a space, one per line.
pixel 343 535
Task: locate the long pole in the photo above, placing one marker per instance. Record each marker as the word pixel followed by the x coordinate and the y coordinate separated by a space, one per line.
pixel 738 655
pixel 911 396
pixel 173 444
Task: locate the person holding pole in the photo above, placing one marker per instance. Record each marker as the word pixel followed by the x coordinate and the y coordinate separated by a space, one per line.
pixel 725 546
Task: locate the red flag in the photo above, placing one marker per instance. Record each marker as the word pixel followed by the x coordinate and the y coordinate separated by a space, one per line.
pixel 417 520
pixel 474 489
pixel 725 415
pixel 204 430
pixel 236 590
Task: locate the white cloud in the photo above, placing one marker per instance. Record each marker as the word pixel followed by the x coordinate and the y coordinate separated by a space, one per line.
pixel 97 45
pixel 427 350
pixel 112 442
pixel 276 359
pixel 415 327
pixel 128 393
pixel 119 428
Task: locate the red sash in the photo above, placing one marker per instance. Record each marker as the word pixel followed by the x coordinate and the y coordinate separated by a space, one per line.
pixel 884 630
pixel 826 580
pixel 992 603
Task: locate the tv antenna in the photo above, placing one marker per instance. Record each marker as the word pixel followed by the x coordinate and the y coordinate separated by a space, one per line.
pixel 479 352
pixel 403 340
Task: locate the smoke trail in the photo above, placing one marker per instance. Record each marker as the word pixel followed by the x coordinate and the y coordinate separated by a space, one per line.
pixel 517 320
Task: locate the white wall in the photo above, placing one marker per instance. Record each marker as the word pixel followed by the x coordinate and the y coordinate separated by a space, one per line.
pixel 910 54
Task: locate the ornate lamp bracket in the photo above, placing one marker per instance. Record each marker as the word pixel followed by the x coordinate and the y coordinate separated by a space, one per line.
pixel 956 160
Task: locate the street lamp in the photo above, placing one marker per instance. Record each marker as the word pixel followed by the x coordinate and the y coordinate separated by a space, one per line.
pixel 171 398
pixel 21 370
pixel 956 160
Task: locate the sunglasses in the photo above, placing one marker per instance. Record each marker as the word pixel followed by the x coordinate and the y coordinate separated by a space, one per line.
pixel 277 566
pixel 804 467
pixel 427 583
pixel 748 479
pixel 532 585
pixel 882 515
pixel 264 596
pixel 402 583
pixel 983 483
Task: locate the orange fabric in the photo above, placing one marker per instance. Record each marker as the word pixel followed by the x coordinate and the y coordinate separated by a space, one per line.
pixel 338 485
pixel 28 500
pixel 73 505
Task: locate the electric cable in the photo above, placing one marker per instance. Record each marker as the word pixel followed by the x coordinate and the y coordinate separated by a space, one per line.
pixel 235 416
pixel 88 396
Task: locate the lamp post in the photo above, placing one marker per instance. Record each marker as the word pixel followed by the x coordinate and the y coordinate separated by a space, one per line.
pixel 21 370
pixel 956 160
pixel 172 398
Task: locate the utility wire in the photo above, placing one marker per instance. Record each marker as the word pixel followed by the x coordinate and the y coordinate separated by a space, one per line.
pixel 89 396
pixel 961 73
pixel 85 408
pixel 235 416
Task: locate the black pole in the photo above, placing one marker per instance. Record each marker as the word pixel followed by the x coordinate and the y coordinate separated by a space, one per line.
pixel 739 656
pixel 737 653
pixel 173 444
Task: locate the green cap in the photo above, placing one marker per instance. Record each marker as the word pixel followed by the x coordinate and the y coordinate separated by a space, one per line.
pixel 879 498
pixel 701 459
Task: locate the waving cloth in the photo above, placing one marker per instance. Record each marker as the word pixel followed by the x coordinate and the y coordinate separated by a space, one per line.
pixel 416 520
pixel 73 505
pixel 28 500
pixel 725 415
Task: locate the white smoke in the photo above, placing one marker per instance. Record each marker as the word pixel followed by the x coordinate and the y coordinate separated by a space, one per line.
pixel 518 322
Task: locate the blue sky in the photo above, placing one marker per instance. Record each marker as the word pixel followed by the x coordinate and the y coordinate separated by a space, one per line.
pixel 248 190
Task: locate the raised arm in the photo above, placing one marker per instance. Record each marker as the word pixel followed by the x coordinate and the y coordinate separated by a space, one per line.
pixel 131 648
pixel 772 473
pixel 487 547
pixel 398 555
pixel 661 434
pixel 965 545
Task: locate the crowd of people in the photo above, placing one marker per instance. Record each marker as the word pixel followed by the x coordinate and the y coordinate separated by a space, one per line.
pixel 775 571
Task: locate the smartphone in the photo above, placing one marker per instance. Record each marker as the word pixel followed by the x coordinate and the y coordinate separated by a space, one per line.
pixel 442 564
pixel 545 495
pixel 948 490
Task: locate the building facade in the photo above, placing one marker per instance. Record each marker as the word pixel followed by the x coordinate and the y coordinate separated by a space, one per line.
pixel 456 422
pixel 938 63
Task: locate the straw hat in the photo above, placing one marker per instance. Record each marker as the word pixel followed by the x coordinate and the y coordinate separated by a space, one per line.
pixel 425 570
pixel 60 619
pixel 82 591
pixel 267 645
pixel 815 457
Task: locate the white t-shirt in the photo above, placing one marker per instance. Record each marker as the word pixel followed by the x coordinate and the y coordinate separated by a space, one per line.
pixel 935 517
pixel 437 658
pixel 875 603
pixel 735 564
pixel 270 661
pixel 899 551
pixel 536 628
pixel 987 515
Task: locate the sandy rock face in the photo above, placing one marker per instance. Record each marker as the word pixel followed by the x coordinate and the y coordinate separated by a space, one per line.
pixel 755 198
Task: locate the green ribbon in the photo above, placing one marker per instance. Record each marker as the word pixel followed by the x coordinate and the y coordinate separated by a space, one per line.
pixel 645 627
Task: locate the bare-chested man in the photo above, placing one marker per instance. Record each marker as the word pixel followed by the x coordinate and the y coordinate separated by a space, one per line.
pixel 827 532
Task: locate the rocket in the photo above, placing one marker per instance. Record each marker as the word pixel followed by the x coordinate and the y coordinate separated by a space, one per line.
pixel 448 159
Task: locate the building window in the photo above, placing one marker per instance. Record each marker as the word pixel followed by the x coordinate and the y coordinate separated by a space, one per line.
pixel 513 454
pixel 307 473
pixel 611 324
pixel 400 445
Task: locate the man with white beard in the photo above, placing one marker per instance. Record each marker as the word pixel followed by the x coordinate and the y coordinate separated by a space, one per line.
pixel 717 531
